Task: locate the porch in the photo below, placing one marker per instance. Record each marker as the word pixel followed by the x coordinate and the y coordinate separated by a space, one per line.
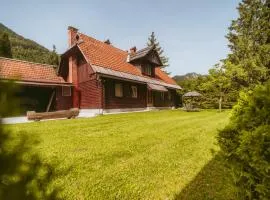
pixel 121 95
pixel 41 97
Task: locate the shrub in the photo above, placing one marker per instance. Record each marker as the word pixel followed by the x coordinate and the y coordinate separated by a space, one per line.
pixel 245 143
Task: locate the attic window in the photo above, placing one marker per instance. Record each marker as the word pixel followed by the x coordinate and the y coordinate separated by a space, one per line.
pixel 147 69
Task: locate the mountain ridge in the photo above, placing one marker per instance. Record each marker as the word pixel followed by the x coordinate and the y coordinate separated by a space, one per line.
pixel 26 49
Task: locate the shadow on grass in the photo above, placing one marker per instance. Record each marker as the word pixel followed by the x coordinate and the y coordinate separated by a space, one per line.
pixel 23 175
pixel 214 181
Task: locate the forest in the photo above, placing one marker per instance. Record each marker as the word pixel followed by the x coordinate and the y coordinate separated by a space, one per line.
pixel 25 49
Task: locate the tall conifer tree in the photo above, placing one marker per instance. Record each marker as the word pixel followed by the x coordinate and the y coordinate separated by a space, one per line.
pixel 249 41
pixel 5 47
pixel 54 57
pixel 152 40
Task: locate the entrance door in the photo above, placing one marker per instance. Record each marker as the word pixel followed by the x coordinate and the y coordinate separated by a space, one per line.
pixel 149 98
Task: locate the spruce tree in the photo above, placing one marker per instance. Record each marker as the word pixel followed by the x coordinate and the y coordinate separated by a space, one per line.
pixel 5 47
pixel 54 57
pixel 152 40
pixel 249 41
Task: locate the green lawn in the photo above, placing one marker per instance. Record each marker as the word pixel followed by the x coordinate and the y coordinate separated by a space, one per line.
pixel 149 155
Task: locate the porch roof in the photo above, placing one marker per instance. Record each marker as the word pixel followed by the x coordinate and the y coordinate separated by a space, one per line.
pixel 157 87
pixel 127 76
pixel 29 72
pixel 41 84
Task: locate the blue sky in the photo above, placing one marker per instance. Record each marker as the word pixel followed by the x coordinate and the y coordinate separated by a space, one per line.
pixel 192 32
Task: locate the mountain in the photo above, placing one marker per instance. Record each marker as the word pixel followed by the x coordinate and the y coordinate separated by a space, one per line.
pixel 190 75
pixel 26 49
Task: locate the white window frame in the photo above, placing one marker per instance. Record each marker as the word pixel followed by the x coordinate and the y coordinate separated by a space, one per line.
pixel 134 91
pixel 66 91
pixel 118 89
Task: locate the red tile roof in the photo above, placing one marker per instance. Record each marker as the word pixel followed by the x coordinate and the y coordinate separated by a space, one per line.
pixel 107 56
pixel 13 69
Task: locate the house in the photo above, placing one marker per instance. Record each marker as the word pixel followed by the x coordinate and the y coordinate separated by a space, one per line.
pixel 94 76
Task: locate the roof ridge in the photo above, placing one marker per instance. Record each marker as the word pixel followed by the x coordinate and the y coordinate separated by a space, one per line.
pixel 143 49
pixel 103 42
pixel 25 61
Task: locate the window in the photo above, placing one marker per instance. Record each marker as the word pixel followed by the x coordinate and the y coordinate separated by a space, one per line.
pixel 134 93
pixel 169 95
pixel 162 95
pixel 66 91
pixel 150 97
pixel 147 69
pixel 118 90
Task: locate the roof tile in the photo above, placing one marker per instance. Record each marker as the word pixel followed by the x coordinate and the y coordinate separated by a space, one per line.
pixel 13 69
pixel 107 56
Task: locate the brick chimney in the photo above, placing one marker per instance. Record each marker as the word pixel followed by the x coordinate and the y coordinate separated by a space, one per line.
pixel 73 38
pixel 72 33
pixel 133 50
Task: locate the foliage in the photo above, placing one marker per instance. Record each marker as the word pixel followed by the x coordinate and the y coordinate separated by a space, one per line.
pixel 5 48
pixel 54 58
pixel 147 155
pixel 25 49
pixel 192 103
pixel 152 40
pixel 245 142
pixel 248 63
pixel 22 174
pixel 210 94
pixel 217 84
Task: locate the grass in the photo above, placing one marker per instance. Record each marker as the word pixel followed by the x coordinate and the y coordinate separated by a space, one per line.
pixel 150 155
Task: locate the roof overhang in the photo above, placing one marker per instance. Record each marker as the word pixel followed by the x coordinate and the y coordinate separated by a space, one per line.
pixel 130 77
pixel 143 54
pixel 38 84
pixel 155 87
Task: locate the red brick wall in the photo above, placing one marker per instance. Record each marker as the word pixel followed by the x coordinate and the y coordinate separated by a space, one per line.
pixel 112 102
pixel 62 102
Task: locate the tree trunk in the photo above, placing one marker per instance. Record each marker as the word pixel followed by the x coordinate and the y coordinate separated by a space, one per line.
pixel 220 103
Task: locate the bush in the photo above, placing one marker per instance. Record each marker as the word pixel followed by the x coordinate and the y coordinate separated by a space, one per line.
pixel 245 143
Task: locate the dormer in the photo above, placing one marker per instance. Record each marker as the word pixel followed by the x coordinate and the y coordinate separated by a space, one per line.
pixel 145 59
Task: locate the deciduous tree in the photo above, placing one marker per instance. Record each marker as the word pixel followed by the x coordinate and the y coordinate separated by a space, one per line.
pixel 217 83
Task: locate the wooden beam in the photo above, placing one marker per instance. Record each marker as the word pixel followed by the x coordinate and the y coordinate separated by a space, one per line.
pixel 71 113
pixel 50 101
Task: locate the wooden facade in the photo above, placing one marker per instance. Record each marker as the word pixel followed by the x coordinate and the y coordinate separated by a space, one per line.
pixel 97 91
pixel 93 75
pixel 126 101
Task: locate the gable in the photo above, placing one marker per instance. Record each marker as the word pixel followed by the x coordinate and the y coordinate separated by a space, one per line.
pixel 98 53
pixel 154 58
